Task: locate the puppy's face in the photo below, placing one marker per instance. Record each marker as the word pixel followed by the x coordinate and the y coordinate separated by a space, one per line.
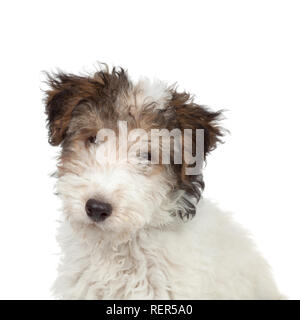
pixel 106 177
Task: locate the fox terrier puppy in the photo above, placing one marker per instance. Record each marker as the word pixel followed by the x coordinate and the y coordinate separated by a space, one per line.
pixel 134 224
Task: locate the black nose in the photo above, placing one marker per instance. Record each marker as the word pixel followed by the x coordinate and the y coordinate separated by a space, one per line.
pixel 97 210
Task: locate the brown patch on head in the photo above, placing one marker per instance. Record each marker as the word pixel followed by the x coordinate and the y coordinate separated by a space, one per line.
pixel 193 116
pixel 189 115
pixel 182 113
pixel 67 91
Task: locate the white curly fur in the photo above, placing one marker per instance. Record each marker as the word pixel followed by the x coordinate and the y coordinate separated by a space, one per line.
pixel 208 257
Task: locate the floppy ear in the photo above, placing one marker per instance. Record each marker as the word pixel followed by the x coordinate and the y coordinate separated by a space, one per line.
pixel 190 115
pixel 66 91
pixel 193 116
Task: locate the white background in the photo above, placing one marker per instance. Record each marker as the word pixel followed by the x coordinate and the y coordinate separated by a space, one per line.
pixel 239 55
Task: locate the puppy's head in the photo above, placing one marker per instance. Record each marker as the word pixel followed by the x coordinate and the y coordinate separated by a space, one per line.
pixel 107 178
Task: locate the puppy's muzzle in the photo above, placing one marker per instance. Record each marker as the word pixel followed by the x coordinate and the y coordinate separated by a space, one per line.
pixel 97 210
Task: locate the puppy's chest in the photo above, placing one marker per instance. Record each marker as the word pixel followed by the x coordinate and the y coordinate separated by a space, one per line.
pixel 129 272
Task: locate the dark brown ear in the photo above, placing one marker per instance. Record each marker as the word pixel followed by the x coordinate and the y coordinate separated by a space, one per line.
pixel 190 115
pixel 66 91
pixel 193 116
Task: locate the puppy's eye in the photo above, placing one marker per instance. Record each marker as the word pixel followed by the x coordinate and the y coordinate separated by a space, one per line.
pixel 146 156
pixel 92 139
